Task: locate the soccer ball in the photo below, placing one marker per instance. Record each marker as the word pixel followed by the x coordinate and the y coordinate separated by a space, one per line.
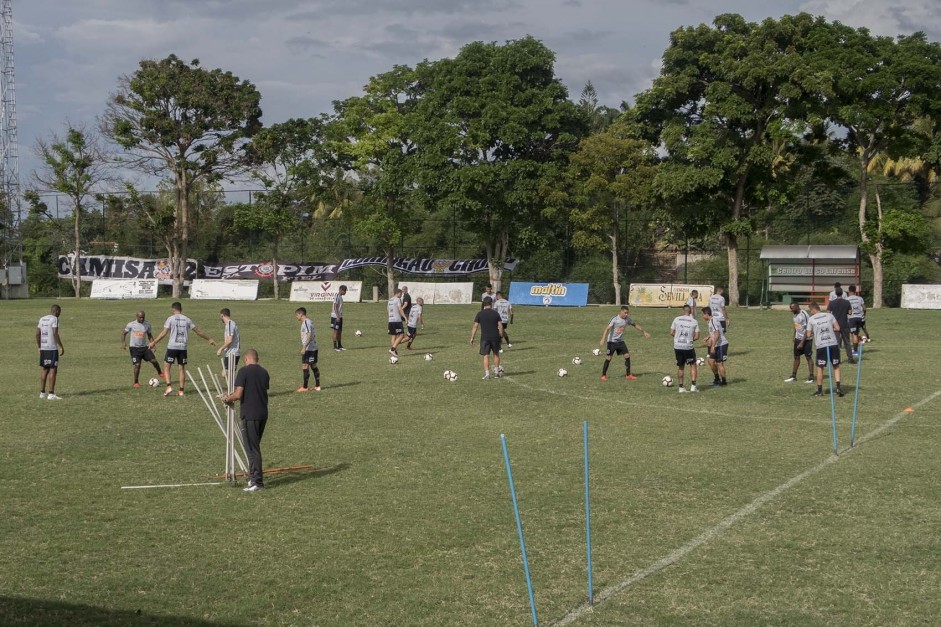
pixel 563 372
pixel 596 352
pixel 358 333
pixel 577 361
pixel 667 382
pixel 498 371
pixel 450 375
pixel 700 361
pixel 393 359
pixel 154 382
pixel 429 356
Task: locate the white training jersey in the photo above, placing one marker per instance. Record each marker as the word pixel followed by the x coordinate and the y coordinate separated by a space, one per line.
pixel 139 332
pixel 821 326
pixel 502 307
pixel 833 296
pixel 686 328
pixel 715 326
pixel 414 315
pixel 179 327
pixel 717 305
pixel 308 335
pixel 618 324
pixel 232 329
pixel 857 306
pixel 801 320
pixel 47 333
pixel 395 309
pixel 337 306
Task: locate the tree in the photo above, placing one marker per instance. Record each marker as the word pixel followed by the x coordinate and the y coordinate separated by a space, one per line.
pixel 720 102
pixel 597 116
pixel 175 118
pixel 497 129
pixel 879 89
pixel 75 166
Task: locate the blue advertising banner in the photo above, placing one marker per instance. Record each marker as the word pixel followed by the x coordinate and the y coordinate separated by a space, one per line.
pixel 549 294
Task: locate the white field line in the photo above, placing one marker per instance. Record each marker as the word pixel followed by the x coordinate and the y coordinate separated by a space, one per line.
pixel 168 485
pixel 728 522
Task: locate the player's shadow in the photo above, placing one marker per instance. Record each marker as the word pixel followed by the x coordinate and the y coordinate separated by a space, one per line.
pixel 294 476
pixel 99 391
pixel 27 611
pixel 346 384
pixel 429 348
pixel 516 350
pixel 520 373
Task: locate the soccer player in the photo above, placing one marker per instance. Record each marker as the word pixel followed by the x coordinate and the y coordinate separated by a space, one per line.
pixel 406 302
pixel 503 307
pixel 491 329
pixel 309 351
pixel 487 293
pixel 415 318
pixel 251 388
pixel 802 346
pixel 691 301
pixel 836 293
pixel 336 319
pixel 50 349
pixel 824 328
pixel 840 308
pixel 141 333
pixel 685 331
pixel 717 305
pixel 230 345
pixel 613 335
pixel 178 327
pixel 396 326
pixel 718 347
pixel 856 317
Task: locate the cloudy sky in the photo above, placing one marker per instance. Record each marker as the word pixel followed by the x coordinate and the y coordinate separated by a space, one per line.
pixel 302 55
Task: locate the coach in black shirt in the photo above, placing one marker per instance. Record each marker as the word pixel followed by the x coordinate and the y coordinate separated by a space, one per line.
pixel 251 388
pixel 491 329
pixel 840 308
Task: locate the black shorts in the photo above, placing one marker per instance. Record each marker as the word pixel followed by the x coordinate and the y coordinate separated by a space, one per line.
pixel 49 359
pixel 618 347
pixel 684 356
pixel 719 353
pixel 225 361
pixel 396 328
pixel 834 356
pixel 412 332
pixel 490 346
pixel 855 324
pixel 141 353
pixel 175 356
pixel 722 323
pixel 803 351
pixel 335 324
pixel 310 357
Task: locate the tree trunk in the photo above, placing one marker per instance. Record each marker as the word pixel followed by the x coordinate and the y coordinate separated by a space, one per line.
pixel 181 231
pixel 390 269
pixel 732 239
pixel 875 252
pixel 77 271
pixel 496 256
pixel 875 258
pixel 615 278
pixel 274 266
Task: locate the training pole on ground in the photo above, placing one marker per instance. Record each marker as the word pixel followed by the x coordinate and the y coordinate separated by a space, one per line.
pixel 859 372
pixel 230 416
pixel 591 598
pixel 206 395
pixel 836 450
pixel 519 529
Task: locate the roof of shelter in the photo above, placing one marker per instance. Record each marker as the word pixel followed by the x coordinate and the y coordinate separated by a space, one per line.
pixel 796 253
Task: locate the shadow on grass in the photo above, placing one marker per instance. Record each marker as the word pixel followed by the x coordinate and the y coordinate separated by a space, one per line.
pixel 520 373
pixel 24 611
pixel 516 350
pixel 294 476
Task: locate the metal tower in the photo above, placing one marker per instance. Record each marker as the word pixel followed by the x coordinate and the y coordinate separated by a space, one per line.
pixel 9 154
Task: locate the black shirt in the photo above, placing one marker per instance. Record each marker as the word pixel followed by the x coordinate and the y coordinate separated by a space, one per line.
pixel 406 304
pixel 840 308
pixel 488 320
pixel 253 379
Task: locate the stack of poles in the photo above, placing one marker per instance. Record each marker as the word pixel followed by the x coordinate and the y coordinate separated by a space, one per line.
pixel 235 456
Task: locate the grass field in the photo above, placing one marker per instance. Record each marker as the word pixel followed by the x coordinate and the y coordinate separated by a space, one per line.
pixel 720 508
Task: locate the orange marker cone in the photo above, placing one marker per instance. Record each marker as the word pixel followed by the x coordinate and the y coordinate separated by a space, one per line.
pixel 909 410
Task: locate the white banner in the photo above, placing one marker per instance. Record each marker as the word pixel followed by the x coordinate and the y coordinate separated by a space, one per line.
pixel 124 289
pixel 213 289
pixel 325 291
pixel 441 293
pixel 921 296
pixel 666 294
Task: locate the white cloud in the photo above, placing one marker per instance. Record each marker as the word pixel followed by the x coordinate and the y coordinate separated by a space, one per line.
pixel 881 17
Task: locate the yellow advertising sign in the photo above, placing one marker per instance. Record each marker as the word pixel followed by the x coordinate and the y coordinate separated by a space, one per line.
pixel 667 294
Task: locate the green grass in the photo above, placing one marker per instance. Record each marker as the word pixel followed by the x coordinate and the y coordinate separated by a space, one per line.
pixel 408 521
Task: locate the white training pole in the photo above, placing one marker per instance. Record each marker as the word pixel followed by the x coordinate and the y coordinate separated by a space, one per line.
pixel 210 404
pixel 167 485
pixel 238 433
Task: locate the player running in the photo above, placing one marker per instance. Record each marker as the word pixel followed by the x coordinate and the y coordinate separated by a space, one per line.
pixel 309 351
pixel 396 327
pixel 685 331
pixel 718 347
pixel 856 317
pixel 415 317
pixel 141 333
pixel 802 346
pixel 825 330
pixel 50 349
pixel 178 327
pixel 613 336
pixel 503 307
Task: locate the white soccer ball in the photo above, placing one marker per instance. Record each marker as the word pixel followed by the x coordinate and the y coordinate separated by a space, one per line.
pixel 596 352
pixel 700 361
pixel 563 372
pixel 154 382
pixel 667 382
pixel 577 361
pixel 450 375
pixel 498 371
pixel 393 359
pixel 358 333
pixel 429 356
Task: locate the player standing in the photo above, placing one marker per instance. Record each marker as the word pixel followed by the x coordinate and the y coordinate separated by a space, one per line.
pixel 491 329
pixel 718 347
pixel 336 319
pixel 415 318
pixel 825 330
pixel 802 346
pixel 396 325
pixel 309 350
pixel 685 331
pixel 613 336
pixel 503 307
pixel 141 333
pixel 840 308
pixel 230 345
pixel 856 317
pixel 178 327
pixel 717 305
pixel 487 293
pixel 50 349
pixel 691 301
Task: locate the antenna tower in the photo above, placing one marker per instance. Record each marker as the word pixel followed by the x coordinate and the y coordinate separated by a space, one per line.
pixel 9 154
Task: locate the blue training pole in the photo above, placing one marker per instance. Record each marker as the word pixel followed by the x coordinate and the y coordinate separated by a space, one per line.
pixel 836 450
pixel 519 528
pixel 859 371
pixel 591 600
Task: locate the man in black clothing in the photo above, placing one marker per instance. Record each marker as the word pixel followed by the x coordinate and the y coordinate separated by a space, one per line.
pixel 491 330
pixel 406 301
pixel 840 308
pixel 251 388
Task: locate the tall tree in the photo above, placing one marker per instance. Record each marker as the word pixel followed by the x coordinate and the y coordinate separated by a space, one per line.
pixel 75 166
pixel 497 128
pixel 178 119
pixel 718 104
